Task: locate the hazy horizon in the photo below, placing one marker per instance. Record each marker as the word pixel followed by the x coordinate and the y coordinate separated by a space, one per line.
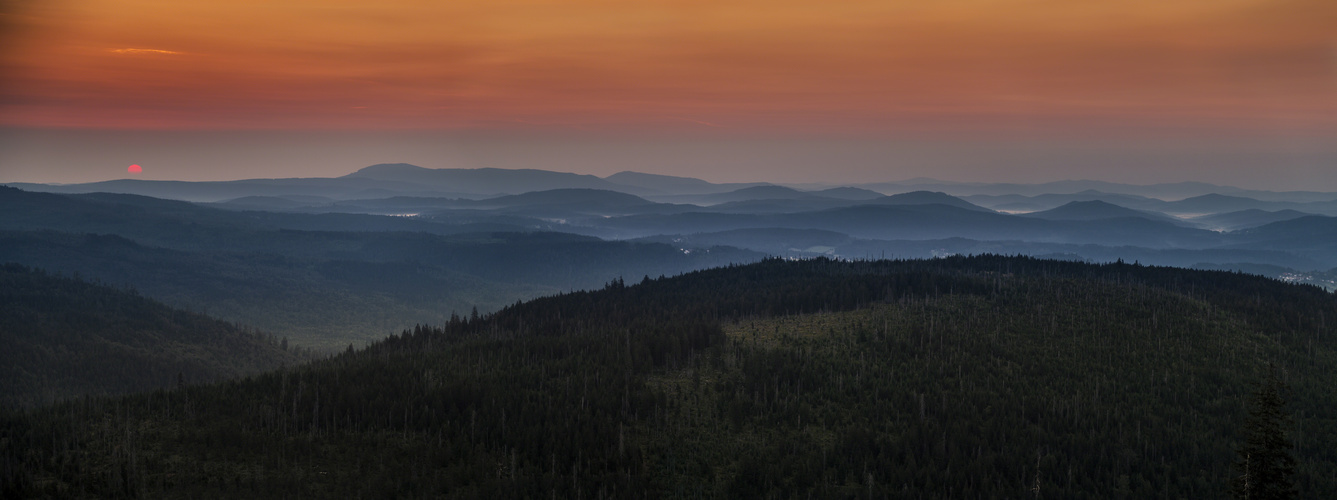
pixel 79 156
pixel 504 334
pixel 1237 93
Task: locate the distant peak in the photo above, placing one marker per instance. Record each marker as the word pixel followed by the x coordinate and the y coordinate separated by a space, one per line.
pixel 925 196
pixel 1216 197
pixel 388 167
pixel 1093 210
pixel 923 192
pixel 633 173
pixel 767 188
pixel 1090 203
pixel 630 176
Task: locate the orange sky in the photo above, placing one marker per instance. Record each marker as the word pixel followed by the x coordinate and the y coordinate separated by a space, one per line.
pixel 940 67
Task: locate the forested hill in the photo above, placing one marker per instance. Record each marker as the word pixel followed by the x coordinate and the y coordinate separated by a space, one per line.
pixel 64 338
pixel 980 377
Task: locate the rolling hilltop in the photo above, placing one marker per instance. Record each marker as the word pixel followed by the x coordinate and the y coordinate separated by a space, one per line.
pixel 970 377
pixel 271 260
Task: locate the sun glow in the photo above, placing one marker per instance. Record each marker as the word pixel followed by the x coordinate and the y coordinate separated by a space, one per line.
pixel 949 66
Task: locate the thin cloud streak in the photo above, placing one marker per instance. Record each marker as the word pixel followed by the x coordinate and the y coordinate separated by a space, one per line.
pixel 973 66
pixel 145 51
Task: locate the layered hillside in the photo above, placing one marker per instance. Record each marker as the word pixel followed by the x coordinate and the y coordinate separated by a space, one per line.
pixel 67 338
pixel 957 377
pixel 324 280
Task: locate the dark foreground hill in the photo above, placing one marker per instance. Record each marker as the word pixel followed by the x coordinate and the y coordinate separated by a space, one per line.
pixel 65 338
pixel 983 377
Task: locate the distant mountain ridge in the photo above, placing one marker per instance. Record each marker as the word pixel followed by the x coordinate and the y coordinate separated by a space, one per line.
pixel 849 193
pixel 1098 210
pixel 493 181
pixel 670 184
pixel 929 198
pixel 402 179
pixel 1244 219
pixel 1162 191
pixel 1218 225
pixel 615 215
pixel 1021 203
pixel 564 202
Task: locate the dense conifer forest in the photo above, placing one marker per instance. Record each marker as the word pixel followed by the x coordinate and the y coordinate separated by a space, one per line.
pixel 969 377
pixel 65 337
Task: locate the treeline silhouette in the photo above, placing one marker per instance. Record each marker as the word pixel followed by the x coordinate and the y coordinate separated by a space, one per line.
pixel 985 376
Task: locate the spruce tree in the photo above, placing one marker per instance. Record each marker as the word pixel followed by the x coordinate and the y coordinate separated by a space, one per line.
pixel 1265 463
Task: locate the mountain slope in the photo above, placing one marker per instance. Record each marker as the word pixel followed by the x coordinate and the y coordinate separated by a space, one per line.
pixel 485 181
pixel 780 206
pixel 323 303
pixel 1019 203
pixel 286 272
pixel 768 192
pixel 1097 210
pixel 1313 236
pixel 182 225
pixel 376 181
pixel 1244 219
pixel 928 198
pixel 66 338
pixel 1214 203
pixel 849 193
pixel 1161 191
pixel 816 242
pixel 573 201
pixel 965 377
pixel 215 191
pixel 400 179
pixel 923 222
pixel 669 184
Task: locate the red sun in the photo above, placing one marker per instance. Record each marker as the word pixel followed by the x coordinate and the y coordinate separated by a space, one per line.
pixel 134 169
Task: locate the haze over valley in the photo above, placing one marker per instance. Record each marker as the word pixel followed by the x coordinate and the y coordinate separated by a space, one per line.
pixel 877 249
pixel 1284 235
pixel 408 300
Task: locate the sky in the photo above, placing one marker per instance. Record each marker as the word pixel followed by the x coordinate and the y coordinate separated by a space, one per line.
pixel 1240 92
